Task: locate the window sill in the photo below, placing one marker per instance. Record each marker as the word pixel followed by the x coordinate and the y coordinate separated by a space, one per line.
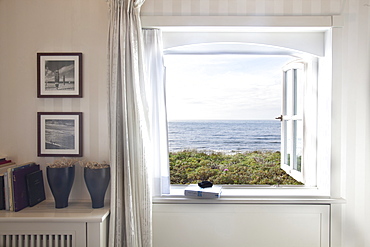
pixel 252 195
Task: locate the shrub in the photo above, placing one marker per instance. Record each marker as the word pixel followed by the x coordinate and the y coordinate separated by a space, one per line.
pixel 257 167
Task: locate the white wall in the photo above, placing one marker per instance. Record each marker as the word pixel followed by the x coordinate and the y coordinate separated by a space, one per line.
pixel 28 27
pixel 355 125
pixel 240 225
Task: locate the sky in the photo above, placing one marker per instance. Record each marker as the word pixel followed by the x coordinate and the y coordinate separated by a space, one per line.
pixel 224 87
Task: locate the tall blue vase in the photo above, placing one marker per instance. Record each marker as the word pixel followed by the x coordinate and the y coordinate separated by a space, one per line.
pixel 60 182
pixel 97 181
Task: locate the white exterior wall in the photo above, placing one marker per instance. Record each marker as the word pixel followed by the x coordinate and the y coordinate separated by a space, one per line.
pixel 28 27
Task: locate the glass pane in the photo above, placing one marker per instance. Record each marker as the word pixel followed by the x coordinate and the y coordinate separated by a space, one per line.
pixel 288 93
pixel 284 142
pixel 299 144
pixel 288 143
pixel 284 106
pixel 299 92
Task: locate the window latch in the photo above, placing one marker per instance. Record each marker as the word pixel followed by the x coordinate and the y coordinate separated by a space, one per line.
pixel 280 117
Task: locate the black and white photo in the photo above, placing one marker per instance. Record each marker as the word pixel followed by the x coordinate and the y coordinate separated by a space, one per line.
pixel 59 134
pixel 59 75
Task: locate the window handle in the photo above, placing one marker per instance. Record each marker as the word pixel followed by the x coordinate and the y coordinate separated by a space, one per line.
pixel 280 117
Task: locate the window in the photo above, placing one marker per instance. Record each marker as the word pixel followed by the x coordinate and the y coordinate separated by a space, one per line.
pixel 292 119
pixel 298 99
pixel 226 105
pixel 316 118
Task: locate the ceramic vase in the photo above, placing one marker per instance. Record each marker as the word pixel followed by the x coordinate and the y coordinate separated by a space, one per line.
pixel 60 182
pixel 97 181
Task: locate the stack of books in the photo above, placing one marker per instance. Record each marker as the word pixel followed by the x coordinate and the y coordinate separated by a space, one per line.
pixel 4 161
pixel 20 186
pixel 193 190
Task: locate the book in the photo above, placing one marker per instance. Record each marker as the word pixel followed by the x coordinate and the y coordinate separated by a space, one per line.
pixel 6 191
pixel 19 186
pixel 2 162
pixel 4 173
pixel 193 190
pixel 4 165
pixel 4 168
pixel 35 188
pixel 2 195
pixel 8 184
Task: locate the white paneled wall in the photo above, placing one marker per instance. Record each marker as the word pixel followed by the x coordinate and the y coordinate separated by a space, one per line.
pixel 197 225
pixel 356 122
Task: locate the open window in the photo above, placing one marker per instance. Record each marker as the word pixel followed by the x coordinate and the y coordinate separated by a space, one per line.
pixel 191 98
pixel 307 146
pixel 300 120
pixel 223 114
pixel 292 134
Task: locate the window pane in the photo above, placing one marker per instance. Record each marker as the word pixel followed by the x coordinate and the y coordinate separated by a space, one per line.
pixel 288 93
pixel 284 143
pixel 285 93
pixel 294 91
pixel 299 144
pixel 299 92
pixel 289 143
pixel 294 144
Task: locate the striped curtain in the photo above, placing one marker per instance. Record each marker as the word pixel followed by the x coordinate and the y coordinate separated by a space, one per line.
pixel 130 219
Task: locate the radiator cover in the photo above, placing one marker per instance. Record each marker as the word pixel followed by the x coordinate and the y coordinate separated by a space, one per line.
pixel 37 240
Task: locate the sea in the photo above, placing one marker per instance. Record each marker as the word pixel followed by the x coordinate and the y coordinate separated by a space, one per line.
pixel 227 136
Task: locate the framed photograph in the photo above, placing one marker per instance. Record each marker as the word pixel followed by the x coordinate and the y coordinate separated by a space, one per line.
pixel 59 134
pixel 59 75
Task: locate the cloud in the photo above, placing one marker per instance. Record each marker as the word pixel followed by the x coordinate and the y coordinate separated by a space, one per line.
pixel 224 87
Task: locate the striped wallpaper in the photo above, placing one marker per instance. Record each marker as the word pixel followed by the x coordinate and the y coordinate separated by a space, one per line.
pixel 241 7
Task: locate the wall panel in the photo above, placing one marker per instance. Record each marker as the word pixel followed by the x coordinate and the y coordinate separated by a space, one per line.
pixel 196 225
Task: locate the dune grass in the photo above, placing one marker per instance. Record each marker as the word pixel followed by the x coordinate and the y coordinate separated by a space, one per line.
pixel 257 168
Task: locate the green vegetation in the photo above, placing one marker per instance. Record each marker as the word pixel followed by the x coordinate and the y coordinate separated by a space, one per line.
pixel 257 167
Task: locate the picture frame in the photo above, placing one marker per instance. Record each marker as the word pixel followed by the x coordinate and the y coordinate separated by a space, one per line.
pixel 59 134
pixel 59 75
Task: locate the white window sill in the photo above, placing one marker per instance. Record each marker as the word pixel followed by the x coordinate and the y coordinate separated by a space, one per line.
pixel 253 195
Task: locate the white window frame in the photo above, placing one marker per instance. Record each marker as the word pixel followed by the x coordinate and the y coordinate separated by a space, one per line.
pixel 307 114
pixel 291 114
pixel 323 138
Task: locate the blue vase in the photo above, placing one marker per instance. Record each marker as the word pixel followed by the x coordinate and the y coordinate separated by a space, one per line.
pixel 97 181
pixel 60 182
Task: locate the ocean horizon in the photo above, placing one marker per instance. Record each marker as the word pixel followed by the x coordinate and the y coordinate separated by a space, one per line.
pixel 228 136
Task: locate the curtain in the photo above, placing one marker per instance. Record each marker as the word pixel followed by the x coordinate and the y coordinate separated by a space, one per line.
pixel 155 70
pixel 130 219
